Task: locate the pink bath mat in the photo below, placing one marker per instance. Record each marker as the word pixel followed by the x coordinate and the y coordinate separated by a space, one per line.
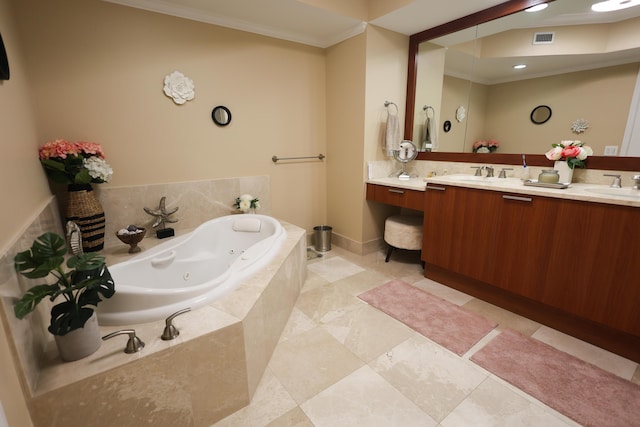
pixel 447 324
pixel 573 387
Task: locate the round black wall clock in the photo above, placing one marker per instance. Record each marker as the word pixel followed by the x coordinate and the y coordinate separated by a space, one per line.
pixel 4 62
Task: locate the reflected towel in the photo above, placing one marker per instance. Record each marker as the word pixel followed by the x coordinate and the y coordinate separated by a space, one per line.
pixel 392 134
pixel 247 224
pixel 429 142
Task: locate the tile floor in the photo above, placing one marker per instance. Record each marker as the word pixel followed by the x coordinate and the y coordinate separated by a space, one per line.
pixel 340 362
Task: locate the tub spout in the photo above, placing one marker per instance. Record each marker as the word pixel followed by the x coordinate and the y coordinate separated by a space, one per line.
pixel 134 344
pixel 170 331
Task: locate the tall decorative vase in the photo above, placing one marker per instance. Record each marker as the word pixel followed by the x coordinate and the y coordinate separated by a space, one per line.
pixel 81 342
pixel 565 172
pixel 84 208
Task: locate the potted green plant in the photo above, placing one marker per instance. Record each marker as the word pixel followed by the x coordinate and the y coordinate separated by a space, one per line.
pixel 82 287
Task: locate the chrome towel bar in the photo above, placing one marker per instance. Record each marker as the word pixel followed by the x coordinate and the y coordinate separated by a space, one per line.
pixel 276 158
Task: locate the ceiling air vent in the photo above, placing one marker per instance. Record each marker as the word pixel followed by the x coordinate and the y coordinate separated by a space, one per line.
pixel 543 38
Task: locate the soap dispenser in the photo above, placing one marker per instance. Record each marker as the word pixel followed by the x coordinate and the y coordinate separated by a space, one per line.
pixel 526 173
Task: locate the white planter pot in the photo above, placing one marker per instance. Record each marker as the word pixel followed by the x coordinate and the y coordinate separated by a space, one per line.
pixel 80 343
pixel 565 172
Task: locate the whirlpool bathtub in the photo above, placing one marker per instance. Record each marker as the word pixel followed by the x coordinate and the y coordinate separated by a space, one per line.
pixel 191 270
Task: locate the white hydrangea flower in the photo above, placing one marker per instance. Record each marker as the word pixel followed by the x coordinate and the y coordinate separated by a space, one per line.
pixel 98 168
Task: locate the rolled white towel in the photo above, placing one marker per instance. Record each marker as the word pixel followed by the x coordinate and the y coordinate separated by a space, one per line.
pixel 247 224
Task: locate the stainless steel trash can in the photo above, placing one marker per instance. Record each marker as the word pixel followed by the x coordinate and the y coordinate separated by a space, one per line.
pixel 322 238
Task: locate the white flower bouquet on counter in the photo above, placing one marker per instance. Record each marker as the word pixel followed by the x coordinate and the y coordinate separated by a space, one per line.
pixel 246 202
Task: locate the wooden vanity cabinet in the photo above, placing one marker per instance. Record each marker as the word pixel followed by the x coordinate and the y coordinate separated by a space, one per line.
pixel 593 269
pixel 459 225
pixel 395 196
pixel 563 262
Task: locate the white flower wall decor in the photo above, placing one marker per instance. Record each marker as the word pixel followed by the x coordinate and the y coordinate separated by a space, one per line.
pixel 580 125
pixel 179 87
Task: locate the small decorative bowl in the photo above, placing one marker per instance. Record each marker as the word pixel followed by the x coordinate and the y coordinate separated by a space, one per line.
pixel 133 239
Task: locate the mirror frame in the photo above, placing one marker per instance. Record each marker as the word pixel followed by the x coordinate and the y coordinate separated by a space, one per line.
pixel 495 12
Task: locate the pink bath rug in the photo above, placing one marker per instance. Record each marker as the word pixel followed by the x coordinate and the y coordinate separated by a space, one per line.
pixel 447 324
pixel 573 387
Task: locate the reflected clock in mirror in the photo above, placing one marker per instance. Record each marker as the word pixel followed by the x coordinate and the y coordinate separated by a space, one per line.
pixel 221 115
pixel 541 114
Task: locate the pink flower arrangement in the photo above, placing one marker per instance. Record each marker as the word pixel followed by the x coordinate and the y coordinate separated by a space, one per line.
pixel 573 152
pixel 74 162
pixel 482 146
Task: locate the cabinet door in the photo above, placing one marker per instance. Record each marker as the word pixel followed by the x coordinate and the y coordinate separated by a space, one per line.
pixel 594 265
pixel 459 228
pixel 522 243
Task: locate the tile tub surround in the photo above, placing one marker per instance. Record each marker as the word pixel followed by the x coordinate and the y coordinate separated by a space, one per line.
pixel 197 201
pixel 210 371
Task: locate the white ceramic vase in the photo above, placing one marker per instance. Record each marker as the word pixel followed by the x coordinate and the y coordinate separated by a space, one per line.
pixel 564 171
pixel 80 343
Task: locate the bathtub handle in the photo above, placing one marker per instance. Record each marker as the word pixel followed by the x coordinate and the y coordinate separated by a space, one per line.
pixel 170 331
pixel 163 260
pixel 134 344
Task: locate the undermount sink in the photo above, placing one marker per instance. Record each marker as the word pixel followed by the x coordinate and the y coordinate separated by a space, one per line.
pixel 481 179
pixel 616 192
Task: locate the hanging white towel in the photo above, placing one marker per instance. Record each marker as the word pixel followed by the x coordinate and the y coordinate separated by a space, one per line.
pixel 429 142
pixel 247 224
pixel 392 134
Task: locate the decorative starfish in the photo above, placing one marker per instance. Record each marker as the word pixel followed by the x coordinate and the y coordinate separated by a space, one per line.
pixel 161 214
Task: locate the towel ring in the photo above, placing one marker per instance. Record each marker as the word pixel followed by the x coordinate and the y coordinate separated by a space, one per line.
pixel 426 109
pixel 388 103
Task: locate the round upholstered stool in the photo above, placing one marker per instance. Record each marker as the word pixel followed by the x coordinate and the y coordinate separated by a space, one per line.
pixel 403 232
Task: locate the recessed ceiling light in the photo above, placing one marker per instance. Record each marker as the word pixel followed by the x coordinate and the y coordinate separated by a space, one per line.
pixel 611 5
pixel 519 66
pixel 537 8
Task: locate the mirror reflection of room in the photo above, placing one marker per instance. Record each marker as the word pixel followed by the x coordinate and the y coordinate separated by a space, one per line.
pixel 583 65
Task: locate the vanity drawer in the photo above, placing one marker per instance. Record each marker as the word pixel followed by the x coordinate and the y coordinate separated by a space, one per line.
pixel 411 199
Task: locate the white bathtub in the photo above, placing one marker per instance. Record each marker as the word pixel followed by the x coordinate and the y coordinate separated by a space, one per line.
pixel 190 270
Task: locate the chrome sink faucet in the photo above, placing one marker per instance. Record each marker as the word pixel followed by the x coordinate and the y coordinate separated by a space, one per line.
pixel 617 183
pixel 479 170
pixel 636 180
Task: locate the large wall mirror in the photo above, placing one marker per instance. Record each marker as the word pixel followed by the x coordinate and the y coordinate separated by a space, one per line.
pixel 586 68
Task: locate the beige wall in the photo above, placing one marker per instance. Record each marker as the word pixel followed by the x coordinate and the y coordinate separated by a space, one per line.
pixel 429 91
pixel 23 190
pixel 386 80
pixel 345 135
pixel 502 111
pixel 455 93
pixel 98 71
pixel 355 122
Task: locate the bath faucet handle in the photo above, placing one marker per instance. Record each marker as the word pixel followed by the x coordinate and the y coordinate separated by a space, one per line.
pixel 636 179
pixel 503 172
pixel 170 331
pixel 478 170
pixel 616 180
pixel 134 344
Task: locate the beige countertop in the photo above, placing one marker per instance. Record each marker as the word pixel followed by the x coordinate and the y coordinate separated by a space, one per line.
pixel 409 184
pixel 596 193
